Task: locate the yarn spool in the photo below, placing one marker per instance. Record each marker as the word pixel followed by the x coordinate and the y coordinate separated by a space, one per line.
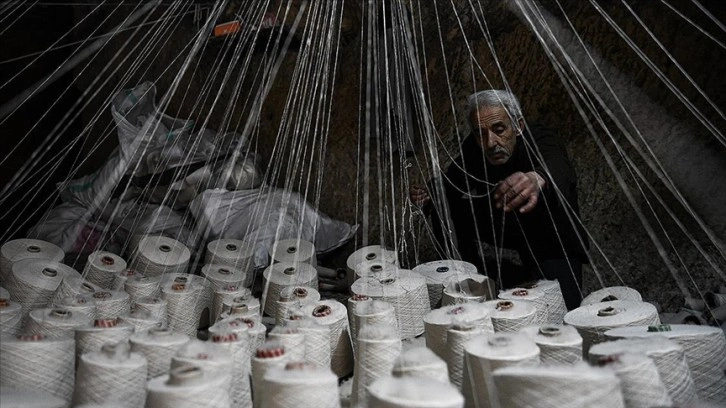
pixel 187 303
pixel 420 362
pixel 557 386
pixel 158 346
pixel 142 321
pixel 612 293
pixel 378 347
pixel 489 352
pixel 282 275
pixel 33 282
pixel 267 357
pixel 406 291
pixel 558 344
pixel 375 269
pixel 238 307
pixel 113 374
pixel 592 321
pixel 640 382
pixel 73 285
pixel 158 255
pixel 221 276
pixel 252 324
pixel 459 333
pixel 369 313
pixel 554 300
pixel 333 314
pixel 215 360
pixel 238 345
pixel 102 267
pixel 437 323
pixel 467 289
pixel 238 254
pixel 705 350
pixel 294 251
pixel 369 253
pixel 111 304
pixel 291 338
pixel 15 397
pixel 536 296
pixel 317 339
pixel 155 306
pixel 78 304
pixel 37 362
pixel 511 315
pixel 227 294
pixel 19 249
pixel 667 356
pixel 119 279
pixel 56 322
pixel 392 392
pixel 11 316
pixel 294 297
pixel 438 272
pixel 140 286
pixel 188 387
pixel 352 304
pixel 302 385
pixel 93 336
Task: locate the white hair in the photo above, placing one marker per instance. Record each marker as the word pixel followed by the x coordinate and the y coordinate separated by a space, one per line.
pixel 496 98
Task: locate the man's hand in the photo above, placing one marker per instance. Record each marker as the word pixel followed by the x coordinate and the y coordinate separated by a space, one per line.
pixel 418 195
pixel 519 191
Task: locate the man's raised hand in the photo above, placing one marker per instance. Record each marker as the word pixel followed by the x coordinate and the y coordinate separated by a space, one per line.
pixel 519 191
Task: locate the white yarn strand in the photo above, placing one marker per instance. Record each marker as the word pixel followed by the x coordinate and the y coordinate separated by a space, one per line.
pixel 558 344
pixel 19 249
pixel 378 347
pixel 640 382
pixel 420 362
pixel 438 272
pixel 333 314
pixel 56 322
pixel 36 362
pixel 282 275
pixel 158 255
pixel 158 346
pixel 115 374
pixel 393 392
pixel 102 267
pixel 188 386
pixel 300 385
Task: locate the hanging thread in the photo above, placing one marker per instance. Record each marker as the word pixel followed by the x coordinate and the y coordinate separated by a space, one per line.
pixel 56 322
pixel 333 314
pixel 438 272
pixel 187 299
pixel 668 357
pixel 238 345
pixel 24 248
pixel 460 332
pixel 705 350
pixel 102 267
pixel 420 362
pixel 282 275
pixel 535 296
pixel 293 251
pixel 111 304
pixel 221 276
pixel 437 323
pixel 592 321
pixel 158 255
pixel 158 346
pixel 511 315
pixel 93 336
pixel 234 253
pixel 78 304
pixel 393 392
pixel 36 362
pixel 378 347
pixel 112 374
pixel 267 357
pixel 33 282
pixel 558 344
pixel 467 289
pixel 139 286
pixel 300 384
pixel 489 352
pixel 640 382
pixel 557 386
pixel 11 315
pixel 189 386
pixel 612 293
pixel 294 297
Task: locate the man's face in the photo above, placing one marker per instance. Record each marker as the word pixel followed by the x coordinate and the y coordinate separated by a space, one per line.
pixel 494 133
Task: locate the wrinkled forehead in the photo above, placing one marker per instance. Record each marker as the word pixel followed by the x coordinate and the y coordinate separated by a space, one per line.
pixel 486 116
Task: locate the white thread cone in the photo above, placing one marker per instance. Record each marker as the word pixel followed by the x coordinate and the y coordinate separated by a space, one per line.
pixel 420 362
pixel 610 294
pixel 457 336
pixel 536 296
pixel 268 356
pixel 282 275
pixel 142 321
pixel 17 397
pixel 221 276
pixel 188 387
pixel 235 253
pixel 84 304
pixel 111 304
pixel 158 346
pixel 188 301
pixel 251 324
pixel 300 385
pixel 378 347
pixel 372 312
pixel 467 289
pixel 333 314
pixel 438 272
pixel 155 306
pixel 640 382
pixel 553 299
pixel 102 267
pixel 392 392
pixel 56 322
pixel 511 315
pixel 291 338
pixel 227 294
pixel 294 298
pixel 238 345
pixel 317 337
pixel 206 355
pixel 11 316
pixel 34 281
pixel 141 286
pixel 369 253
pixel 93 336
pixel 73 285
pixel 437 323
pixel 19 249
pixel 158 255
pixel 558 345
pixel 294 250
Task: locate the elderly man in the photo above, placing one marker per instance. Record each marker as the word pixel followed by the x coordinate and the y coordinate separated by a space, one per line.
pixel 503 190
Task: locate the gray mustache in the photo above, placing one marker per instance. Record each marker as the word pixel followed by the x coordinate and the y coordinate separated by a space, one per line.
pixel 497 150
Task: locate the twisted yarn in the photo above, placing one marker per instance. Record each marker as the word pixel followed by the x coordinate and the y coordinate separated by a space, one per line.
pixel 11 316
pixel 291 338
pixel 111 304
pixel 56 322
pixel 536 296
pixel 155 306
pixel 33 282
pixel 188 387
pixel 406 291
pixel 467 289
pixel 379 346
pixel 511 315
pixel 420 362
pixel 612 293
pixel 267 357
pixel 78 304
pixel 556 387
pixel 458 335
pixel 102 267
pixel 393 392
pixel 113 374
pixel 438 272
pixel 592 321
pixel 187 299
pixel 93 336
pixel 294 298
pixel 294 250
pixel 234 253
pixel 36 362
pixel 333 314
pixel 705 350
pixel 489 352
pixel 238 345
pixel 158 346
pixel 158 255
pixel 221 276
pixel 139 286
pixel 19 249
pixel 640 382
pixel 302 385
pixel 282 275
pixel 437 323
pixel 558 344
